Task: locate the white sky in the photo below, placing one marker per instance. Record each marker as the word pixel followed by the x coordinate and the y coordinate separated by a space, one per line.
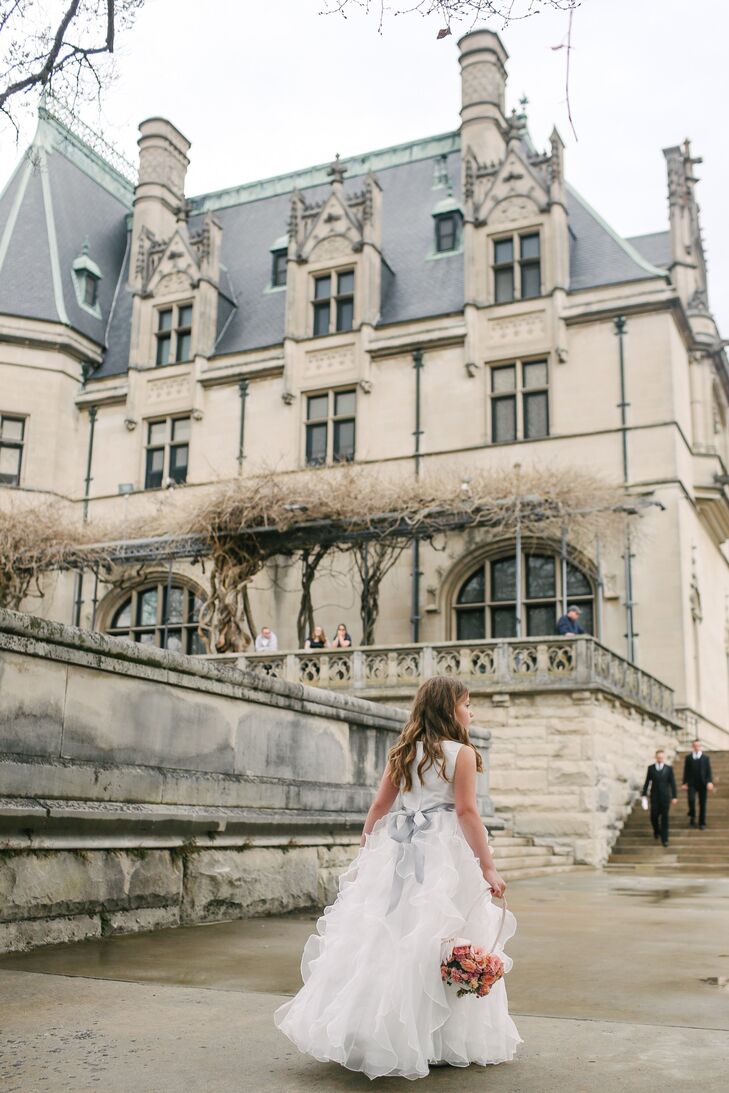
pixel 269 86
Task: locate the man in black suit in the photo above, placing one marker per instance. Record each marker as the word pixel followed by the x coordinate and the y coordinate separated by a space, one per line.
pixel 663 794
pixel 697 778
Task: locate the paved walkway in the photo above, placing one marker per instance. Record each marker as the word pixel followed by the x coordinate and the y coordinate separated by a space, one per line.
pixel 620 984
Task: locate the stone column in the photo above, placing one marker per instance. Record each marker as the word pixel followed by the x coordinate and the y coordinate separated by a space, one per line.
pixel 483 85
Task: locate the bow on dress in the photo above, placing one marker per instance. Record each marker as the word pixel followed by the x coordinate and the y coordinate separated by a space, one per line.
pixel 415 820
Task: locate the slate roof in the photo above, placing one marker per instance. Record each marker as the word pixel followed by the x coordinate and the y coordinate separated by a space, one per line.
pixel 655 247
pixel 63 193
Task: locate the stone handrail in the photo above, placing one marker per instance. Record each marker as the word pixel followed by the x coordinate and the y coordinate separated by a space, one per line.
pixel 507 665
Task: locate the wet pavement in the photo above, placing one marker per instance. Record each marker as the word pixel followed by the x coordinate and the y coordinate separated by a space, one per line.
pixel 619 984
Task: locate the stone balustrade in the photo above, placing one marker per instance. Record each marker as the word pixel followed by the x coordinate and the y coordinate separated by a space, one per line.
pixel 491 666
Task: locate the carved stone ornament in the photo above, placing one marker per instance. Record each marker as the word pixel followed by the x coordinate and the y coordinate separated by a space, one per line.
pixel 471 368
pixel 518 327
pixel 331 248
pixel 288 397
pixel 365 386
pixel 512 209
pixel 131 423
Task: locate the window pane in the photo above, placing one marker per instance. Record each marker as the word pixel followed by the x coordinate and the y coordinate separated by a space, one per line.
pixel 147 607
pixel 541 619
pixel 322 288
pixel 586 619
pixel 474 589
pixel 503 379
pixel 540 576
pixel 504 285
pixel 535 374
pixel 445 233
pixel 194 607
pixel 181 429
pixel 503 622
pixel 174 641
pixel 154 469
pixel 123 616
pixel 164 321
pixel 345 314
pixel 503 252
pixel 343 441
pixel 530 281
pixel 174 603
pixel 345 283
pixel 157 432
pixel 163 348
pixel 317 407
pixel 471 624
pixel 344 402
pixel 577 582
pixel 11 428
pixel 178 462
pixel 316 443
pixel 529 246
pixel 280 262
pixel 184 347
pixel 195 644
pixel 503 579
pixel 536 416
pixel 321 319
pixel 9 465
pixel 184 316
pixel 90 290
pixel 503 419
pixel 148 637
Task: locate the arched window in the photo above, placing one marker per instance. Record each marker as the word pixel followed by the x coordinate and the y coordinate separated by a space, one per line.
pixel 150 616
pixel 486 604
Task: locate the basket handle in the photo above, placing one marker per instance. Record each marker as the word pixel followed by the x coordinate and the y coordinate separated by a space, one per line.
pixel 504 909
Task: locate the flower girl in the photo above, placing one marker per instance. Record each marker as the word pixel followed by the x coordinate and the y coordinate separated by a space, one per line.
pixel 374 997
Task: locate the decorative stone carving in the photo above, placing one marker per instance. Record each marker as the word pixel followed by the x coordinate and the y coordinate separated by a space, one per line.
pixel 331 248
pixel 512 209
pixel 481 83
pixel 168 389
pixel 329 360
pixel 518 327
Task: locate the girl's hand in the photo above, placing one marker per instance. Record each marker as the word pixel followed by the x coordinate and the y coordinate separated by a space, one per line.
pixel 495 882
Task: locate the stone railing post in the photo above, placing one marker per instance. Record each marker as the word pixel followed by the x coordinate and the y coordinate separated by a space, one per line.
pixel 427 662
pixel 501 662
pixel 291 668
pixel 392 667
pixel 358 670
pixel 582 659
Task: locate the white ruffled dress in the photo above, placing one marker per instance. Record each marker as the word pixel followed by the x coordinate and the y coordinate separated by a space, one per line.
pixel 372 998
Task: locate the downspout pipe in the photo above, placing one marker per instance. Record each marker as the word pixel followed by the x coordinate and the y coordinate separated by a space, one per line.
pixel 88 480
pixel 630 634
pixel 417 433
pixel 243 393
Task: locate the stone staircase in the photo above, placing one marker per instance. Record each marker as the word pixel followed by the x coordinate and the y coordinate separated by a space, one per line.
pixel 689 850
pixel 518 856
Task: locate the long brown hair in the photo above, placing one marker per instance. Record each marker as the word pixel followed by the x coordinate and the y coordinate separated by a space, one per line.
pixel 432 720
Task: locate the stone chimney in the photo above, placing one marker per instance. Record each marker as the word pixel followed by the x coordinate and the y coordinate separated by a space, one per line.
pixel 160 194
pixel 483 86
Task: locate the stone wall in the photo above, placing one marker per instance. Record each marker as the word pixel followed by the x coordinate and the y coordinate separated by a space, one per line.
pixel 140 788
pixel 566 768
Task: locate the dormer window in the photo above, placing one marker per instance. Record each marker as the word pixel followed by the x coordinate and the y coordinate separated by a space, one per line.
pixel 86 280
pixel 278 268
pixel 333 302
pixel 517 280
pixel 91 289
pixel 174 335
pixel 446 233
pixel 447 219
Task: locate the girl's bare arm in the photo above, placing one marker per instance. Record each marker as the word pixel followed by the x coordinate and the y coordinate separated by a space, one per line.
pixel 464 787
pixel 383 802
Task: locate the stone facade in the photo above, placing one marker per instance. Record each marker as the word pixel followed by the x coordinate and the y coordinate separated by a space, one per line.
pixel 56 366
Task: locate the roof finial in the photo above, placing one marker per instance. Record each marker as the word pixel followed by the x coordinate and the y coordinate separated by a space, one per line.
pixel 523 103
pixel 336 171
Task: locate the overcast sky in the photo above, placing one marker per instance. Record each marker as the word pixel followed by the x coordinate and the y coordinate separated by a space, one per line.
pixel 269 86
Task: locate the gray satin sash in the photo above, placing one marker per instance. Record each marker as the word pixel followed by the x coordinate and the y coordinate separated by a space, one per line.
pixel 415 820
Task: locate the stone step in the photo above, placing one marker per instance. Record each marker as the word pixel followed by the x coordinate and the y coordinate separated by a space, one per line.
pixel 537 871
pixel 521 851
pixel 665 867
pixel 537 861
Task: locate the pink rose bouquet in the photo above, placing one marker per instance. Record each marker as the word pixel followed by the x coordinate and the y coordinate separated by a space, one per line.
pixel 471 969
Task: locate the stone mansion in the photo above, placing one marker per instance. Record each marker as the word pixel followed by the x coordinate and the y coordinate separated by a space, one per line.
pixel 455 287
